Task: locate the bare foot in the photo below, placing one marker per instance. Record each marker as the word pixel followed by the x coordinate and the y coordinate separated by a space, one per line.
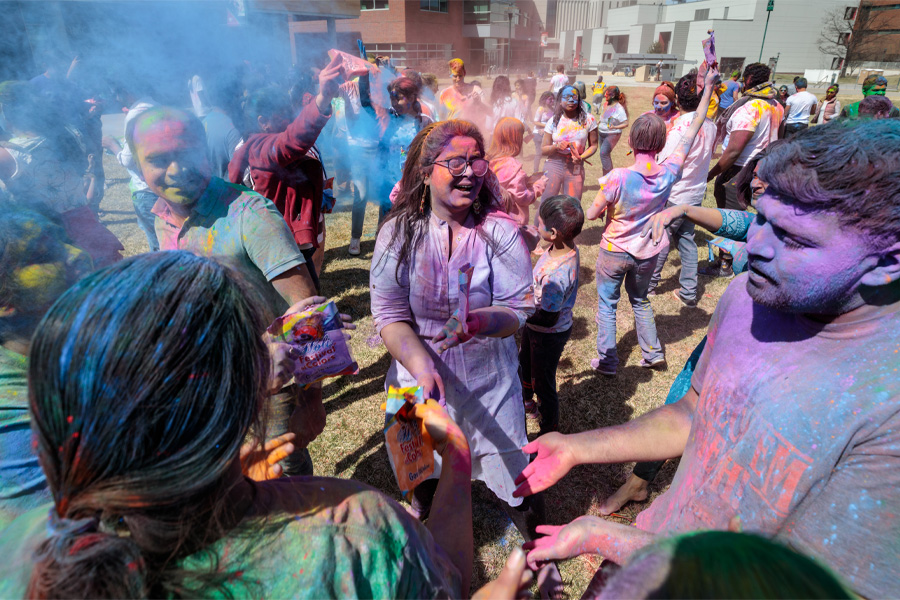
pixel 635 489
pixel 550 581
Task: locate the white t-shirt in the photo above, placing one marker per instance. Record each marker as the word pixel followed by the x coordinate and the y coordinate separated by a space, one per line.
pixel 691 188
pixel 612 115
pixel 760 117
pixel 798 107
pixel 558 81
pixel 568 130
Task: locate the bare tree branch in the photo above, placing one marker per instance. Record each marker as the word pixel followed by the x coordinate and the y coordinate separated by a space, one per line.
pixel 852 40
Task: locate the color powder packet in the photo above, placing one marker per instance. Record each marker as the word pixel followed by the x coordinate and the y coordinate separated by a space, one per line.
pixel 465 282
pixel 317 334
pixel 410 447
pixel 709 49
pixel 353 65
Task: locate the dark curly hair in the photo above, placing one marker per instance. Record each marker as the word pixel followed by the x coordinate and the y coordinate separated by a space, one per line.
pixel 849 168
pixel 755 74
pixel 688 94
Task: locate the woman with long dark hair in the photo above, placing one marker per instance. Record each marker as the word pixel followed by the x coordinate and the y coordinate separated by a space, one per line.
pixel 442 222
pixel 504 103
pixel 613 120
pixel 145 380
pixel 570 138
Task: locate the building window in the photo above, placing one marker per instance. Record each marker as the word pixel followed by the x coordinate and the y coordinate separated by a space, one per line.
pixel 373 4
pixel 844 38
pixel 476 11
pixel 836 63
pixel 725 13
pixel 850 13
pixel 434 5
pixel 701 14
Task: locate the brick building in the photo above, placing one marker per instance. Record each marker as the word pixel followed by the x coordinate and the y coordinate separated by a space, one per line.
pixel 425 34
pixel 881 19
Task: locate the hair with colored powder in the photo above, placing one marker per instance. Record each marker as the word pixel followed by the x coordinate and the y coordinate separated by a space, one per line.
pixel 411 222
pixel 500 90
pixel 876 107
pixel 834 87
pixel 563 213
pixel 156 113
pixel 36 265
pixel 874 84
pixel 648 134
pixel 580 113
pixel 800 83
pixel 404 86
pixel 755 74
pixel 667 89
pixel 507 139
pixel 430 80
pixel 457 67
pixel 848 168
pixel 688 95
pixel 413 76
pixel 722 564
pixel 140 460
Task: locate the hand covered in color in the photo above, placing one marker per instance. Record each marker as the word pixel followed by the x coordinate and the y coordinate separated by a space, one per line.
pixel 261 463
pixel 539 185
pixel 563 541
pixel 554 460
pixel 657 224
pixel 453 333
pixel 513 581
pixel 330 79
pixel 443 430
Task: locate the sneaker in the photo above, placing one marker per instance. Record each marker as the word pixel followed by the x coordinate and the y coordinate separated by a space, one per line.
pixel 683 300
pixel 353 250
pixel 716 270
pixel 602 369
pixel 531 410
pixel 659 363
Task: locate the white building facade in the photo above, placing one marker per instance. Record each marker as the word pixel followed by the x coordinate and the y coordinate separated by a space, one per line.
pixel 632 26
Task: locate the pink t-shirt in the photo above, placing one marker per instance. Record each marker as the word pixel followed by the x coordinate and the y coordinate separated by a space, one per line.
pixel 633 198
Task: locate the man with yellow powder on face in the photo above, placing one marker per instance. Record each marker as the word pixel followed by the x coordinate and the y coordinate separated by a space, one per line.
pixel 211 217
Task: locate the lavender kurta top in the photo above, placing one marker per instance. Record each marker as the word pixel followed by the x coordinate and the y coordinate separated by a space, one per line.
pixel 481 382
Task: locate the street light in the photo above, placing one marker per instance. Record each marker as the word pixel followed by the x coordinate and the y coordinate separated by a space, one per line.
pixel 509 14
pixel 769 8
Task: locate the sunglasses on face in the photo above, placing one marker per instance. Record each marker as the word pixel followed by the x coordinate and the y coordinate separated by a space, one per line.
pixel 457 166
pixel 570 97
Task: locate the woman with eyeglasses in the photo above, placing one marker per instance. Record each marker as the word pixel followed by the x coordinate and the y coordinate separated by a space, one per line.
pixel 443 220
pixel 570 138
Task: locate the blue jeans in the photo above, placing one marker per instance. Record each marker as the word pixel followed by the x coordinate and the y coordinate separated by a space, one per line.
pixel 368 186
pixel 612 269
pixel 681 234
pixel 143 201
pixel 608 141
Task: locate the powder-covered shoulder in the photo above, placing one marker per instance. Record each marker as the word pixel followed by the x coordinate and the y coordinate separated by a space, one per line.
pixel 500 225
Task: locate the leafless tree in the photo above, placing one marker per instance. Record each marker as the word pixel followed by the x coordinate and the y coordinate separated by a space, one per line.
pixel 848 34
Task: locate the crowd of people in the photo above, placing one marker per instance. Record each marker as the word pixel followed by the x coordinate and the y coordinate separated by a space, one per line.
pixel 154 443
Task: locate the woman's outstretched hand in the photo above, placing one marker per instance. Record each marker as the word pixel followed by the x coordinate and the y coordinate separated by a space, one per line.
pixel 657 224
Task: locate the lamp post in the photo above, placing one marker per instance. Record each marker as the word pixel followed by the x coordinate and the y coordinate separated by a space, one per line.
pixel 509 15
pixel 769 8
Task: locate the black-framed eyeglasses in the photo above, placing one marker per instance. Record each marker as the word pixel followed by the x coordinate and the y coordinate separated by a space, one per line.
pixel 457 166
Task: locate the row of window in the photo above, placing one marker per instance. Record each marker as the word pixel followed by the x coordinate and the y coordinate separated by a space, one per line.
pixel 428 5
pixel 412 53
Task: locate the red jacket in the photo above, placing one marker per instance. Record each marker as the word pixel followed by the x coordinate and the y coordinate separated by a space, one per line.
pixel 283 172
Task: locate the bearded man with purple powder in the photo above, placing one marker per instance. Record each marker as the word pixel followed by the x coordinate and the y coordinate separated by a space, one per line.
pixel 792 422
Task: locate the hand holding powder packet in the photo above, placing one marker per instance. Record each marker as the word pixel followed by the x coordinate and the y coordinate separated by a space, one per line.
pixel 317 336
pixel 465 281
pixel 410 447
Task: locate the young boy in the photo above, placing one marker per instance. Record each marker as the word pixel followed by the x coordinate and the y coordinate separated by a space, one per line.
pixel 555 286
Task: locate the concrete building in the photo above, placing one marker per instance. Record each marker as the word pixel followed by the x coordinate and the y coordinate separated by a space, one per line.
pixel 425 34
pixel 632 26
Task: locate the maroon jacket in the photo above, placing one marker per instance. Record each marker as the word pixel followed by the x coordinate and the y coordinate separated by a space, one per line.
pixel 284 172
